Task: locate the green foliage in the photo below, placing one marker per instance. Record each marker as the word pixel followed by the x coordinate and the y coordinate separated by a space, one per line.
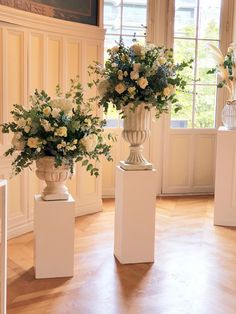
pixel 139 74
pixel 63 127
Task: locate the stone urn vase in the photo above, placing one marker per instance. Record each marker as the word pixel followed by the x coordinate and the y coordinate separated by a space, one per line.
pixel 54 177
pixel 136 131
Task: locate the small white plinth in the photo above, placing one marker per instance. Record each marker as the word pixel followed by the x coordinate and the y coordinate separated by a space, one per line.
pixel 225 181
pixel 54 223
pixel 131 167
pixel 135 216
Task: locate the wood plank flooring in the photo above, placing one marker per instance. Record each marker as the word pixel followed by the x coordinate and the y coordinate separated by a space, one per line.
pixel 194 270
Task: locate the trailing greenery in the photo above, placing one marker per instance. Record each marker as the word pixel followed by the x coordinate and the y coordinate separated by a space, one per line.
pixel 63 127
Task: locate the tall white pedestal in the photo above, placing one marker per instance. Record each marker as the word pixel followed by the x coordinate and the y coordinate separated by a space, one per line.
pixel 54 223
pixel 135 216
pixel 225 181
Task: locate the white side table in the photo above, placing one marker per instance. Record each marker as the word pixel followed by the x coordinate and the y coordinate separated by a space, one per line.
pixel 225 181
pixel 3 206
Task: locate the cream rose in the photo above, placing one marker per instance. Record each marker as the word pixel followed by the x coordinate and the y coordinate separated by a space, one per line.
pixel 89 142
pixel 131 90
pixel 62 131
pixel 62 103
pixel 134 75
pixel 143 82
pixel 120 88
pixel 33 142
pixel 47 111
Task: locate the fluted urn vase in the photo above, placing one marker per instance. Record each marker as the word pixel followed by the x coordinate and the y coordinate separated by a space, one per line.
pixel 54 177
pixel 136 131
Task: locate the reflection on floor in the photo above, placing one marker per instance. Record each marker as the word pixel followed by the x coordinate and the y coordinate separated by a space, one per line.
pixel 194 269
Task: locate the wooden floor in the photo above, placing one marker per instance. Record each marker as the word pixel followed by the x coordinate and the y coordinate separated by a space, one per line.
pixel 194 270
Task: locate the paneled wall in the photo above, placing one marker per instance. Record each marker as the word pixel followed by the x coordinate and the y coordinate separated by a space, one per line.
pixel 39 52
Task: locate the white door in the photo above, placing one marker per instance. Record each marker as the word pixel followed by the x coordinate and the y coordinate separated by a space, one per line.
pixel 190 135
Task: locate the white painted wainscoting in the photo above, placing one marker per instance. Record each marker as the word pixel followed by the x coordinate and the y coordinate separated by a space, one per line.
pixel 40 52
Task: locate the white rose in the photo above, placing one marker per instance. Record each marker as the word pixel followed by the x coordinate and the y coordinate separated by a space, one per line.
pixel 114 65
pixel 17 142
pixel 136 67
pixel 120 88
pixel 62 103
pixel 103 88
pixel 143 82
pixel 21 122
pixel 126 73
pixel 89 142
pixel 56 112
pixel 33 142
pixel 62 131
pixel 134 75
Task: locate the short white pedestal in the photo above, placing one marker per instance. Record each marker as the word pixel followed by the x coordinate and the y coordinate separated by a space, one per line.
pixel 135 216
pixel 225 181
pixel 54 223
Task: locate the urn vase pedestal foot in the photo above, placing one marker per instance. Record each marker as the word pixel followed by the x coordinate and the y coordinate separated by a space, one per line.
pixel 135 216
pixel 54 223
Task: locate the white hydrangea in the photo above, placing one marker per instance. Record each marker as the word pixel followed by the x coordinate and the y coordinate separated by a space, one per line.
pixel 46 125
pixel 89 142
pixel 63 104
pixel 103 87
pixel 17 142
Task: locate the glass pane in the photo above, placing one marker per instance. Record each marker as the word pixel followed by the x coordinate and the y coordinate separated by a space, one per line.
pixel 205 62
pixel 134 17
pixel 183 118
pixel 209 19
pixel 112 16
pixel 185 18
pixel 111 118
pixel 205 107
pixel 184 49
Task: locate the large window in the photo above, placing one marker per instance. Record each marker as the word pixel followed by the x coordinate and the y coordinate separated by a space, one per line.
pixel 123 18
pixel 197 22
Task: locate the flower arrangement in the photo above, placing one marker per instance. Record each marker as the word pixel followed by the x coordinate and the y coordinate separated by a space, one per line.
pixel 226 68
pixel 63 127
pixel 139 73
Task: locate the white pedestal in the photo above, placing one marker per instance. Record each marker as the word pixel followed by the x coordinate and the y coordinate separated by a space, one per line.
pixel 54 223
pixel 225 181
pixel 135 216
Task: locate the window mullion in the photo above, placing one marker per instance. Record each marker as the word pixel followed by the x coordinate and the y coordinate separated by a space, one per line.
pixel 195 64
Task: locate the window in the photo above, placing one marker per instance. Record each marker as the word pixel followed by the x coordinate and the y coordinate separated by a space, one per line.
pixel 123 18
pixel 197 22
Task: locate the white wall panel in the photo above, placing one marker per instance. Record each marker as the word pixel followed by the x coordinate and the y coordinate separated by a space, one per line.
pixel 33 58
